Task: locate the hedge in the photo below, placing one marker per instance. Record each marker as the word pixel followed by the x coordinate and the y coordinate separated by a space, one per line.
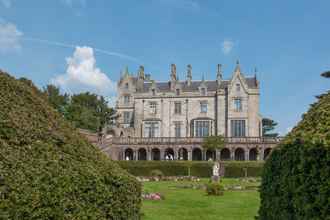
pixel 48 171
pixel 196 168
pixel 296 176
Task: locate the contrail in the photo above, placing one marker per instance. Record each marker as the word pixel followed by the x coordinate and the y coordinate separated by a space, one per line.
pixel 60 44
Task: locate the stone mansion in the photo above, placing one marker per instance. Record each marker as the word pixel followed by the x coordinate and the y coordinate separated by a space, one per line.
pixel 168 120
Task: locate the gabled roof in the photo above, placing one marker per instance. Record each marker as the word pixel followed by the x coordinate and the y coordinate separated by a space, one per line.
pixel 194 86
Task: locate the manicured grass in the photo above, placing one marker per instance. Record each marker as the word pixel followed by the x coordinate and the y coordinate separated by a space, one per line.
pixel 194 204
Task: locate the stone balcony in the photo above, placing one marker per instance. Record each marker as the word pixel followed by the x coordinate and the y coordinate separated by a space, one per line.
pixel 188 140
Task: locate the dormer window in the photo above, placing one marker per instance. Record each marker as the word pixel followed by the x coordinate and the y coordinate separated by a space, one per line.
pixel 126 99
pixel 238 87
pixel 203 91
pixel 177 91
pixel 153 91
pixel 238 104
pixel 126 85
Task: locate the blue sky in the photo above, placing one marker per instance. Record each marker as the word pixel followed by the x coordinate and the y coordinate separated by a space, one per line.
pixel 287 41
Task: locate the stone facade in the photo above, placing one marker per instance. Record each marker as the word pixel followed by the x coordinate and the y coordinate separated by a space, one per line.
pixel 183 112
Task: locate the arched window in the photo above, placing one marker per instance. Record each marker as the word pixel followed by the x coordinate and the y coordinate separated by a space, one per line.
pixel 183 154
pixel 197 154
pixel 253 154
pixel 225 154
pixel 211 154
pixel 155 154
pixel 129 154
pixel 169 154
pixel 142 154
pixel 239 154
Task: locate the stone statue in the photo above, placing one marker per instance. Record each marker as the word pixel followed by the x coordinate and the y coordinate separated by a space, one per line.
pixel 215 172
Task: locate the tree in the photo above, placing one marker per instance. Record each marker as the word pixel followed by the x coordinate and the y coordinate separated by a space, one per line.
pixel 54 97
pixel 326 74
pixel 268 125
pixel 89 111
pixel 213 142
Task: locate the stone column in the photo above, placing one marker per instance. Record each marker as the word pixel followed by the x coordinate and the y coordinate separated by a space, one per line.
pixel 135 155
pixel 162 154
pixel 176 154
pixel 232 154
pixel 189 155
pixel 217 154
pixel 246 154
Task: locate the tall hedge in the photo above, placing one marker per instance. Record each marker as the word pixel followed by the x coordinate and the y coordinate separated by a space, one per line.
pixel 48 171
pixel 296 176
pixel 194 168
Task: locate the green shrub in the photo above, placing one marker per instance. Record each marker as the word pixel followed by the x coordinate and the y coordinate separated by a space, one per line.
pixel 48 171
pixel 214 189
pixel 156 173
pixel 295 179
pixel 194 168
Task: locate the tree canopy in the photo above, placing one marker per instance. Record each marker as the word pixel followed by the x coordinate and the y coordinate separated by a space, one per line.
pixel 268 125
pixel 213 142
pixel 84 110
pixel 326 74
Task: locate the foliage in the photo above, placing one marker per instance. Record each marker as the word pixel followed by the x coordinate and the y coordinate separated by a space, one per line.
pixel 213 142
pixel 214 189
pixel 84 110
pixel 58 101
pixel 48 171
pixel 295 179
pixel 268 125
pixel 156 173
pixel 197 168
pixel 326 74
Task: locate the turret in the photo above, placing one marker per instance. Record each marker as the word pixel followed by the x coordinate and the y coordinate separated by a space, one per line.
pixel 219 75
pixel 189 74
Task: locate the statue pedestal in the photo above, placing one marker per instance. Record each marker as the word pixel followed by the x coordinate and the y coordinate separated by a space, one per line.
pixel 215 178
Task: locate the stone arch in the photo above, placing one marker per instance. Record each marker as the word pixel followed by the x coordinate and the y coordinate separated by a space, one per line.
pixel 183 153
pixel 211 154
pixel 253 154
pixel 142 154
pixel 129 154
pixel 267 152
pixel 239 154
pixel 197 154
pixel 169 154
pixel 155 154
pixel 225 154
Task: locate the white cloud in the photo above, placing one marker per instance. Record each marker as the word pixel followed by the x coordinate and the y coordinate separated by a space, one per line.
pixel 10 37
pixel 82 75
pixel 6 3
pixel 227 46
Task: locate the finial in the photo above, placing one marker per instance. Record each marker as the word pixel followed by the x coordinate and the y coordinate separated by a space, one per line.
pixel 238 68
pixel 126 71
pixel 189 74
pixel 173 72
pixel 219 74
pixel 141 72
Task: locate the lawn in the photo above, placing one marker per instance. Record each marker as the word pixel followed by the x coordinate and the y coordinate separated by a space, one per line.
pixel 182 203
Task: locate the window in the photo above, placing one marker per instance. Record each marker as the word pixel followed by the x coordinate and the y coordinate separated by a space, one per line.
pixel 177 91
pixel 153 91
pixel 126 99
pixel 203 91
pixel 177 129
pixel 126 85
pixel 177 108
pixel 238 128
pixel 151 129
pixel 203 107
pixel 127 117
pixel 238 105
pixel 238 87
pixel 202 128
pixel 153 107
